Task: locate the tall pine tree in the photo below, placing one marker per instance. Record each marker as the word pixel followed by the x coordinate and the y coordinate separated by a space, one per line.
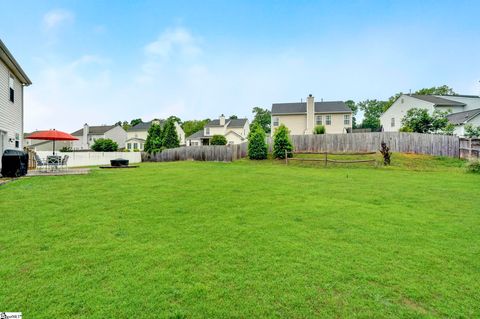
pixel 153 144
pixel 170 137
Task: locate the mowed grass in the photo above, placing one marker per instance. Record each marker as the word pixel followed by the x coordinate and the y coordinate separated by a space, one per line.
pixel 245 240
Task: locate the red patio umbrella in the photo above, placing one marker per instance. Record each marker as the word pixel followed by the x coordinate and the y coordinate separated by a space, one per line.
pixel 52 135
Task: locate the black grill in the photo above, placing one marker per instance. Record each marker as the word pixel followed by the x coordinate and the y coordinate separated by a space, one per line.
pixel 14 163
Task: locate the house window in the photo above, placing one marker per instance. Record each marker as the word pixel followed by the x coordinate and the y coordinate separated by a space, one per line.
pixel 346 119
pixel 129 146
pixel 231 142
pixel 318 120
pixel 392 122
pixel 207 131
pixel 328 120
pixel 135 146
pixel 275 121
pixel 11 85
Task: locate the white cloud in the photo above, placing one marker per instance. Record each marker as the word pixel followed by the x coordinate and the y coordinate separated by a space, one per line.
pixel 174 44
pixel 55 18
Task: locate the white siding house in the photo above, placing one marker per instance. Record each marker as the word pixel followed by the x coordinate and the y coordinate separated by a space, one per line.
pixel 12 81
pixel 235 131
pixel 391 119
pixel 89 134
pixel 302 117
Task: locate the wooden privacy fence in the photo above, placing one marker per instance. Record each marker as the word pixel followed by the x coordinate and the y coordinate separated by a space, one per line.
pixel 438 145
pixel 470 148
pixel 213 153
pixel 32 162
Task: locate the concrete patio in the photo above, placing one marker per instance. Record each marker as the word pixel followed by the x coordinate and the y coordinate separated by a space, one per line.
pixel 60 172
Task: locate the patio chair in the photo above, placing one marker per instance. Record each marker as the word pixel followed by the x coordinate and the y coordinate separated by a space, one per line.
pixel 40 163
pixel 64 162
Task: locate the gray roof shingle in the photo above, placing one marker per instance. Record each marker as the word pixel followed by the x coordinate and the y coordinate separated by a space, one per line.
pixel 95 130
pixel 462 117
pixel 195 135
pixel 440 101
pixel 301 107
pixel 144 126
pixel 231 122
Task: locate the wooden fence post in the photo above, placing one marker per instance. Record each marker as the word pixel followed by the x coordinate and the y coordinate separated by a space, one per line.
pixel 470 148
pixel 286 158
pixel 326 160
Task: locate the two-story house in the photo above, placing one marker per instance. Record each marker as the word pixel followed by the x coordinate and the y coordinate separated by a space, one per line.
pixel 302 117
pixel 89 134
pixel 137 135
pixel 235 131
pixel 12 81
pixel 463 108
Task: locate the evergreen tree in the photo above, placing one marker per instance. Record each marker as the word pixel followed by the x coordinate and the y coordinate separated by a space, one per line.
pixel 257 147
pixel 170 137
pixel 282 143
pixel 153 144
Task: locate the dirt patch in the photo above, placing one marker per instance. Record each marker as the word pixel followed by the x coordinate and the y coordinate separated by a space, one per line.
pixel 414 306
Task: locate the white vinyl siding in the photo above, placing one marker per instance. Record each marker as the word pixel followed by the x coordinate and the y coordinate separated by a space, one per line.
pixel 11 114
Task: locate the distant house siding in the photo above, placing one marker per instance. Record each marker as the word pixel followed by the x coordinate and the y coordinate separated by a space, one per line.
pixel 118 135
pixel 295 123
pixel 399 109
pixel 11 114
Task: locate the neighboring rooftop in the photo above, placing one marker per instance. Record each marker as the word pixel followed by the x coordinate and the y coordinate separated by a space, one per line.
pixel 228 122
pixel 462 117
pixel 13 65
pixel 301 107
pixel 440 101
pixel 94 130
pixel 198 134
pixel 144 126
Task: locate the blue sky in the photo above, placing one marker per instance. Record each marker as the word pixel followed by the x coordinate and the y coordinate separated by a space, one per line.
pixel 103 61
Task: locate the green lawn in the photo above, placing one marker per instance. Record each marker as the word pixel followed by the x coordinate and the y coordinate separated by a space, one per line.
pixel 246 240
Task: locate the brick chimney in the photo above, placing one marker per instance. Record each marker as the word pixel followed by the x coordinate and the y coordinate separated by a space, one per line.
pixel 86 130
pixel 222 119
pixel 310 114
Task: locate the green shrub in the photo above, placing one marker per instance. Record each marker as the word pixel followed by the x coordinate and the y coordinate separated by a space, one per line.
pixel 136 150
pixel 126 150
pixel 257 147
pixel 472 131
pixel 66 149
pixel 319 129
pixel 473 167
pixel 105 145
pixel 406 129
pixel 218 140
pixel 281 142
